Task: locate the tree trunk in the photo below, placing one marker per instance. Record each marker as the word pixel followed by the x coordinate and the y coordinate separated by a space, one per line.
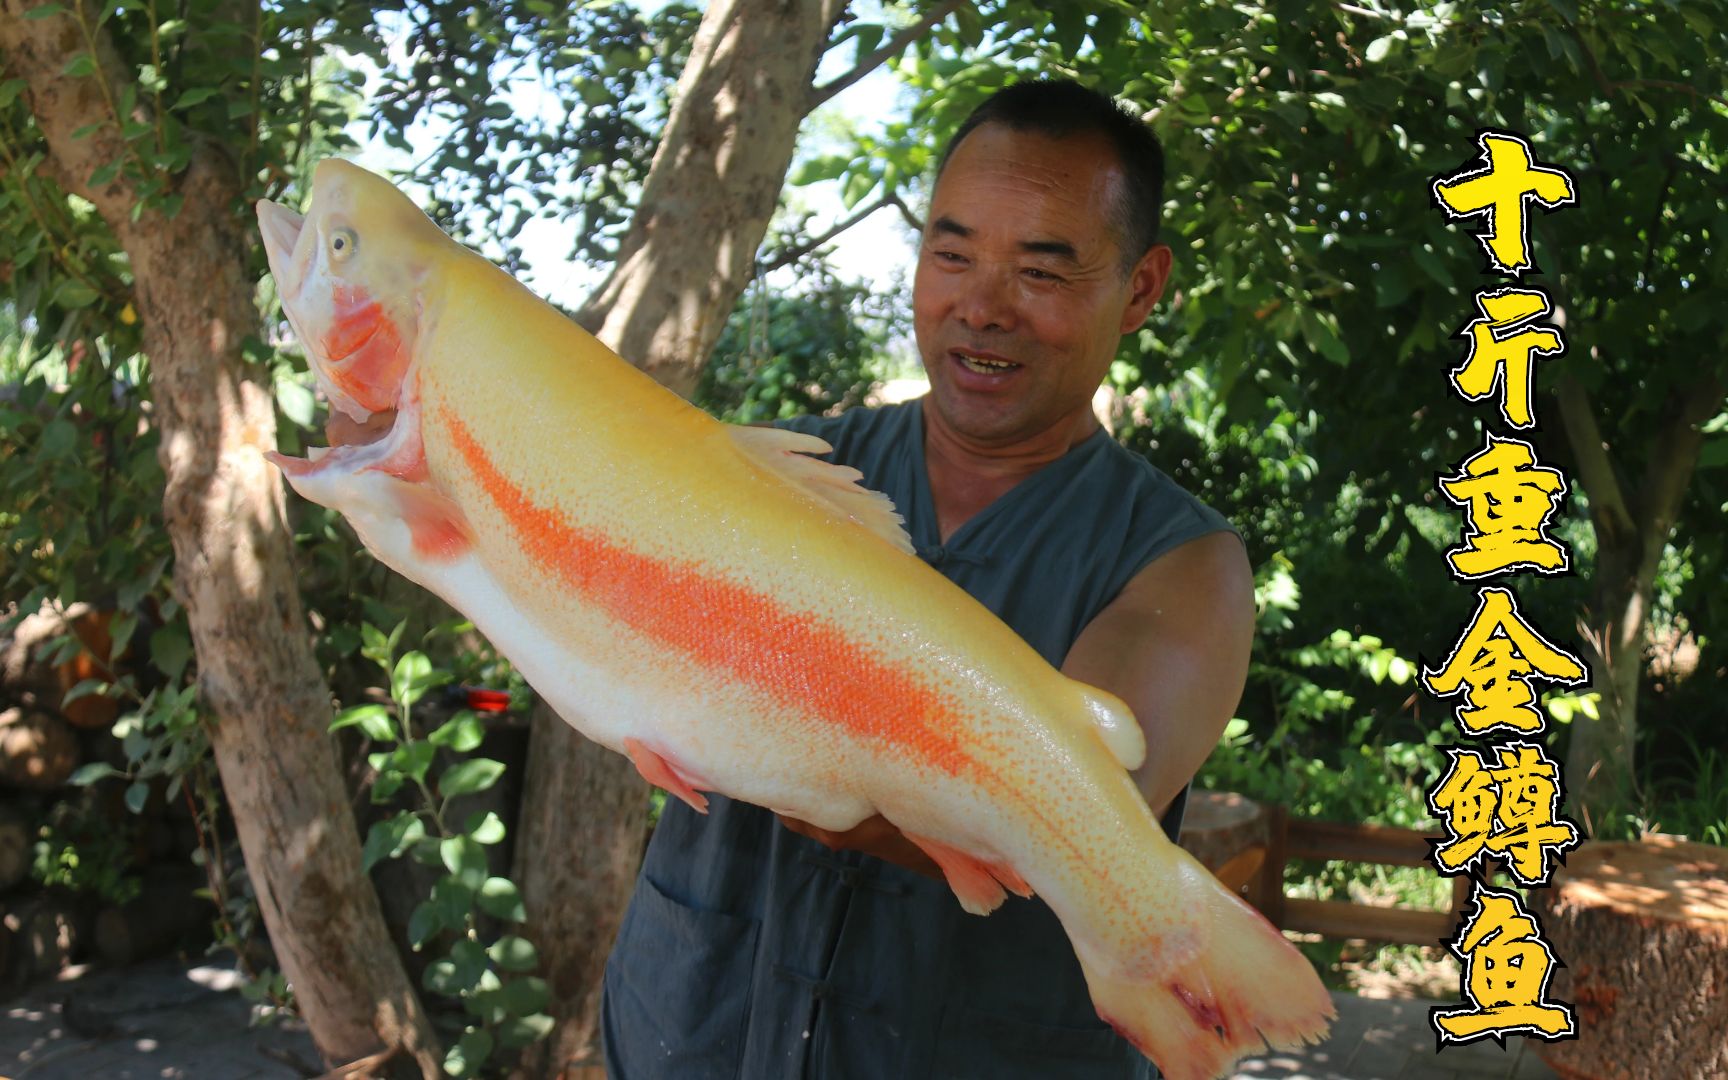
pixel 1631 527
pixel 713 186
pixel 259 682
pixel 583 821
pixel 686 259
pixel 1643 931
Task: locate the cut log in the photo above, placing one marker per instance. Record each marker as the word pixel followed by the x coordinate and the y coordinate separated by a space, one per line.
pixel 1643 931
pixel 38 750
pixel 160 917
pixel 48 929
pixel 17 839
pixel 91 710
pixel 22 673
pixel 1228 833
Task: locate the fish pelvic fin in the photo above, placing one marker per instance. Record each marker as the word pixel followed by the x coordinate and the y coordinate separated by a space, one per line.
pixel 660 771
pixel 787 454
pixel 980 885
pixel 1202 1009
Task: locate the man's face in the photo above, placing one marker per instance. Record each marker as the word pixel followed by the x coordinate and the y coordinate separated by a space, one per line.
pixel 1020 299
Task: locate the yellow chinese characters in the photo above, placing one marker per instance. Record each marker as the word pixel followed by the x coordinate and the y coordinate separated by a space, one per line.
pixel 1507 966
pixel 1494 661
pixel 1509 808
pixel 1502 190
pixel 1508 499
pixel 1503 351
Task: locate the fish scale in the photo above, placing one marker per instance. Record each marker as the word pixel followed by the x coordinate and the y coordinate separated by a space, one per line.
pixel 739 617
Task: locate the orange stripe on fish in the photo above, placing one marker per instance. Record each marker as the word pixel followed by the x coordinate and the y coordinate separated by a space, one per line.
pixel 790 654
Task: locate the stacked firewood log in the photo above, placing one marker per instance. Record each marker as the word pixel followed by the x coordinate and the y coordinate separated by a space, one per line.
pixel 144 861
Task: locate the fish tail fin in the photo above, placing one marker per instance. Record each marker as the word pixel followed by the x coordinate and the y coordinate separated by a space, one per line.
pixel 1195 1011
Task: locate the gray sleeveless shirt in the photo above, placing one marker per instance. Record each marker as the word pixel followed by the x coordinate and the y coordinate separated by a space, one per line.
pixel 751 952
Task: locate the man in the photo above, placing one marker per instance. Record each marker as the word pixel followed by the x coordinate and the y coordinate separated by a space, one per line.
pixel 763 949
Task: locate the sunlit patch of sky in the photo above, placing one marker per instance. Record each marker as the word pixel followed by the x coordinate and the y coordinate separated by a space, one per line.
pixel 878 249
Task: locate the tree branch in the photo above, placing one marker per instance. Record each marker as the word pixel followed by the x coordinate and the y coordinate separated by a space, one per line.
pixel 893 47
pixel 36 49
pixel 1673 457
pixel 906 213
pixel 787 258
pixel 1595 467
pixel 1669 84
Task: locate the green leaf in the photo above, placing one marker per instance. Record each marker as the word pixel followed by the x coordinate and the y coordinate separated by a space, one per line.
pixel 295 400
pixel 105 175
pixel 425 921
pixel 45 11
pixel 469 1053
pixel 857 186
pixel 500 898
pixel 519 1031
pixel 415 758
pixel 389 838
pixel 120 632
pixel 454 901
pixel 467 777
pixel 411 667
pixel 487 828
pixel 79 66
pixel 75 294
pixel 89 774
pixel 465 860
pixel 196 96
pixel 512 953
pixel 461 733
pixel 57 439
pixel 525 995
pixel 170 650
pixel 10 89
pixel 84 688
pixel 373 720
pixel 1377 49
pixel 440 978
pixel 470 960
pixel 137 794
pixel 87 130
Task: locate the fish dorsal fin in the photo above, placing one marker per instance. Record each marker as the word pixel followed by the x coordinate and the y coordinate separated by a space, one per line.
pixel 788 455
pixel 1115 724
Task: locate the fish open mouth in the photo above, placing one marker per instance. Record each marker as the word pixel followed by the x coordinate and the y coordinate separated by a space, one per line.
pixel 354 445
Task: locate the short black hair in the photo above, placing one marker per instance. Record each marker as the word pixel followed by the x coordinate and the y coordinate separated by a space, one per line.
pixel 1061 108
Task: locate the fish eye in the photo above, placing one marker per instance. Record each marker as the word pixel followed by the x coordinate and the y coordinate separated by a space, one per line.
pixel 342 243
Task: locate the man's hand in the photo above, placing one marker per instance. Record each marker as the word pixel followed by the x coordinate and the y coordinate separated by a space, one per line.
pixel 873 836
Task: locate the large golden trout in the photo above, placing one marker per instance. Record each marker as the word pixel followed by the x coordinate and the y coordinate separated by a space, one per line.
pixel 738 616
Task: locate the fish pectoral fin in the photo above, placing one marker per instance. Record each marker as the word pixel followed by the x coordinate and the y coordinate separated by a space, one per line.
pixel 787 454
pixel 980 885
pixel 660 772
pixel 436 525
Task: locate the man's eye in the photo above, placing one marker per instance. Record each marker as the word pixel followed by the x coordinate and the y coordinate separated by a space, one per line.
pixel 1041 275
pixel 950 257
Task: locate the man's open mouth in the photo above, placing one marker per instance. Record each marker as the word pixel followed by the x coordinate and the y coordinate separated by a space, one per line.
pixel 984 365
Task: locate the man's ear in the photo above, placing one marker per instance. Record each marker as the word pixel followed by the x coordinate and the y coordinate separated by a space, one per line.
pixel 1146 285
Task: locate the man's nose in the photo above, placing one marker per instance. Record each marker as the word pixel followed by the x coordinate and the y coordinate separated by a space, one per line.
pixel 986 301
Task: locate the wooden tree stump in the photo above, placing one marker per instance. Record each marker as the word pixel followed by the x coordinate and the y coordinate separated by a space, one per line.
pixel 1228 833
pixel 38 751
pixel 1643 931
pixel 17 846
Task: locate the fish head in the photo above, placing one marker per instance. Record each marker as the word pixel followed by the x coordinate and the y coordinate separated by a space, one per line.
pixel 349 273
